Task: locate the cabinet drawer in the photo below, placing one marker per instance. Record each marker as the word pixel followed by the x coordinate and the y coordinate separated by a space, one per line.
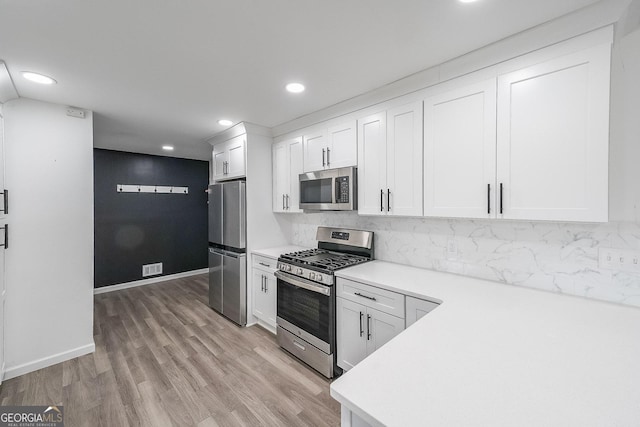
pixel 264 262
pixel 370 296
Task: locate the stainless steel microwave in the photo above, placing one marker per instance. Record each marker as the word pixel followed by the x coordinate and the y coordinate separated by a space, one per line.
pixel 329 190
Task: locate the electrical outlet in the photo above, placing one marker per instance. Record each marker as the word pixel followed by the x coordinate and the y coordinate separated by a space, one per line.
pixel 619 259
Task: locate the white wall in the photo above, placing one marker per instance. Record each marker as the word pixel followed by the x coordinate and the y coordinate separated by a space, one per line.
pixel 557 257
pixel 49 263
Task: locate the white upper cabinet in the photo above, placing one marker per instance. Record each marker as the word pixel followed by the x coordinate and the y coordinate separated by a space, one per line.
pixel 530 144
pixel 390 162
pixel 404 160
pixel 372 164
pixel 330 149
pixel 552 139
pixel 315 151
pixel 460 152
pixel 230 159
pixel 280 176
pixel 287 166
pixel 342 147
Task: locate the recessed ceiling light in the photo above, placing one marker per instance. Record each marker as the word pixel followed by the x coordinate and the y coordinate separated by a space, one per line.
pixel 295 87
pixel 467 1
pixel 38 78
pixel 225 122
pixel 167 147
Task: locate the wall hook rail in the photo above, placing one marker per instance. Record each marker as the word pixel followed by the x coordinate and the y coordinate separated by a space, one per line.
pixel 154 189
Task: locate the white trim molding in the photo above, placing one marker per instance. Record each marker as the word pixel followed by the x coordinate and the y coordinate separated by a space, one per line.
pixel 25 368
pixel 150 281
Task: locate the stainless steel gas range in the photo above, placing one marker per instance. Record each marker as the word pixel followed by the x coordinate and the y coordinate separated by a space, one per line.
pixel 306 310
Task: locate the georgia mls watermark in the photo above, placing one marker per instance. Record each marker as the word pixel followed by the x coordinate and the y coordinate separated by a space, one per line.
pixel 31 416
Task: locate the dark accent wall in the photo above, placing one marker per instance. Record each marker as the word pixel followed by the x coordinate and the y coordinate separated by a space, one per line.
pixel 133 229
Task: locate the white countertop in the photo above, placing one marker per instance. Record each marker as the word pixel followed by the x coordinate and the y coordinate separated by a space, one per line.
pixel 496 355
pixel 275 252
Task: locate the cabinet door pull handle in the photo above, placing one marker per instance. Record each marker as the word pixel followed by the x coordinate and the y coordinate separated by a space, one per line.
pixel 262 283
pixel 368 327
pixel 266 284
pixel 328 158
pixel 5 208
pixel 500 198
pixel 361 326
pixel 323 157
pixel 388 200
pixel 283 207
pixel 287 202
pixel 488 198
pixel 6 237
pixel 381 197
pixel 365 296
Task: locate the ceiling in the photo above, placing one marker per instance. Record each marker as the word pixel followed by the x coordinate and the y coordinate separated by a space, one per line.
pixel 164 71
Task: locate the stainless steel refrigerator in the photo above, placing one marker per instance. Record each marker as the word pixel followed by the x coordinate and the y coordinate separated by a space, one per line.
pixel 227 250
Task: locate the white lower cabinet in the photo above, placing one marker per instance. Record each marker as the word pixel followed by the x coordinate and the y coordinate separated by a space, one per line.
pixel 365 326
pixel 264 291
pixel 367 317
pixel 362 330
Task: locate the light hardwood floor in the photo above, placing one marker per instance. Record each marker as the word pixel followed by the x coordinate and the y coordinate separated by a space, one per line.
pixel 164 358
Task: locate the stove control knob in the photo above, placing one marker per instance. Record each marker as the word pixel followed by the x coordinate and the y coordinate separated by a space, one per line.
pixel 299 271
pixel 312 276
pixel 287 267
pixel 319 277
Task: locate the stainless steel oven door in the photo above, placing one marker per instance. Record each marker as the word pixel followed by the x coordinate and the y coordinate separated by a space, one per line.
pixel 306 310
pixel 331 189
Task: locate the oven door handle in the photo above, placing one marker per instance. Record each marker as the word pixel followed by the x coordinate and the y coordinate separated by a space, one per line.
pixel 302 283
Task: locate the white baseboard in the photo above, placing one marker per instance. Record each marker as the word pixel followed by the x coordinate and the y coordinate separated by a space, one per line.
pixel 25 368
pixel 149 281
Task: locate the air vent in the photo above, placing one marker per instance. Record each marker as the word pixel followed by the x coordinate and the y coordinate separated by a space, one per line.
pixel 151 269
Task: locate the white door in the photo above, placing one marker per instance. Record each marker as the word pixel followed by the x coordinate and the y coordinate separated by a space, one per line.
pixel 280 176
pixel 372 164
pixel 270 300
pixel 315 151
pixel 381 327
pixel 553 129
pixel 220 157
pixel 342 145
pixel 351 339
pixel 295 159
pixel 260 300
pixel 2 184
pixel 404 160
pixel 460 150
pixel 237 157
pixel 2 249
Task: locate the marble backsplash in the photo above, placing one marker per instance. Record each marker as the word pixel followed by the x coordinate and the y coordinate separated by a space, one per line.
pixel 556 257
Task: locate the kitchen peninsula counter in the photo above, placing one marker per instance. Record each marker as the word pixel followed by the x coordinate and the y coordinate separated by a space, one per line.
pixel 496 355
